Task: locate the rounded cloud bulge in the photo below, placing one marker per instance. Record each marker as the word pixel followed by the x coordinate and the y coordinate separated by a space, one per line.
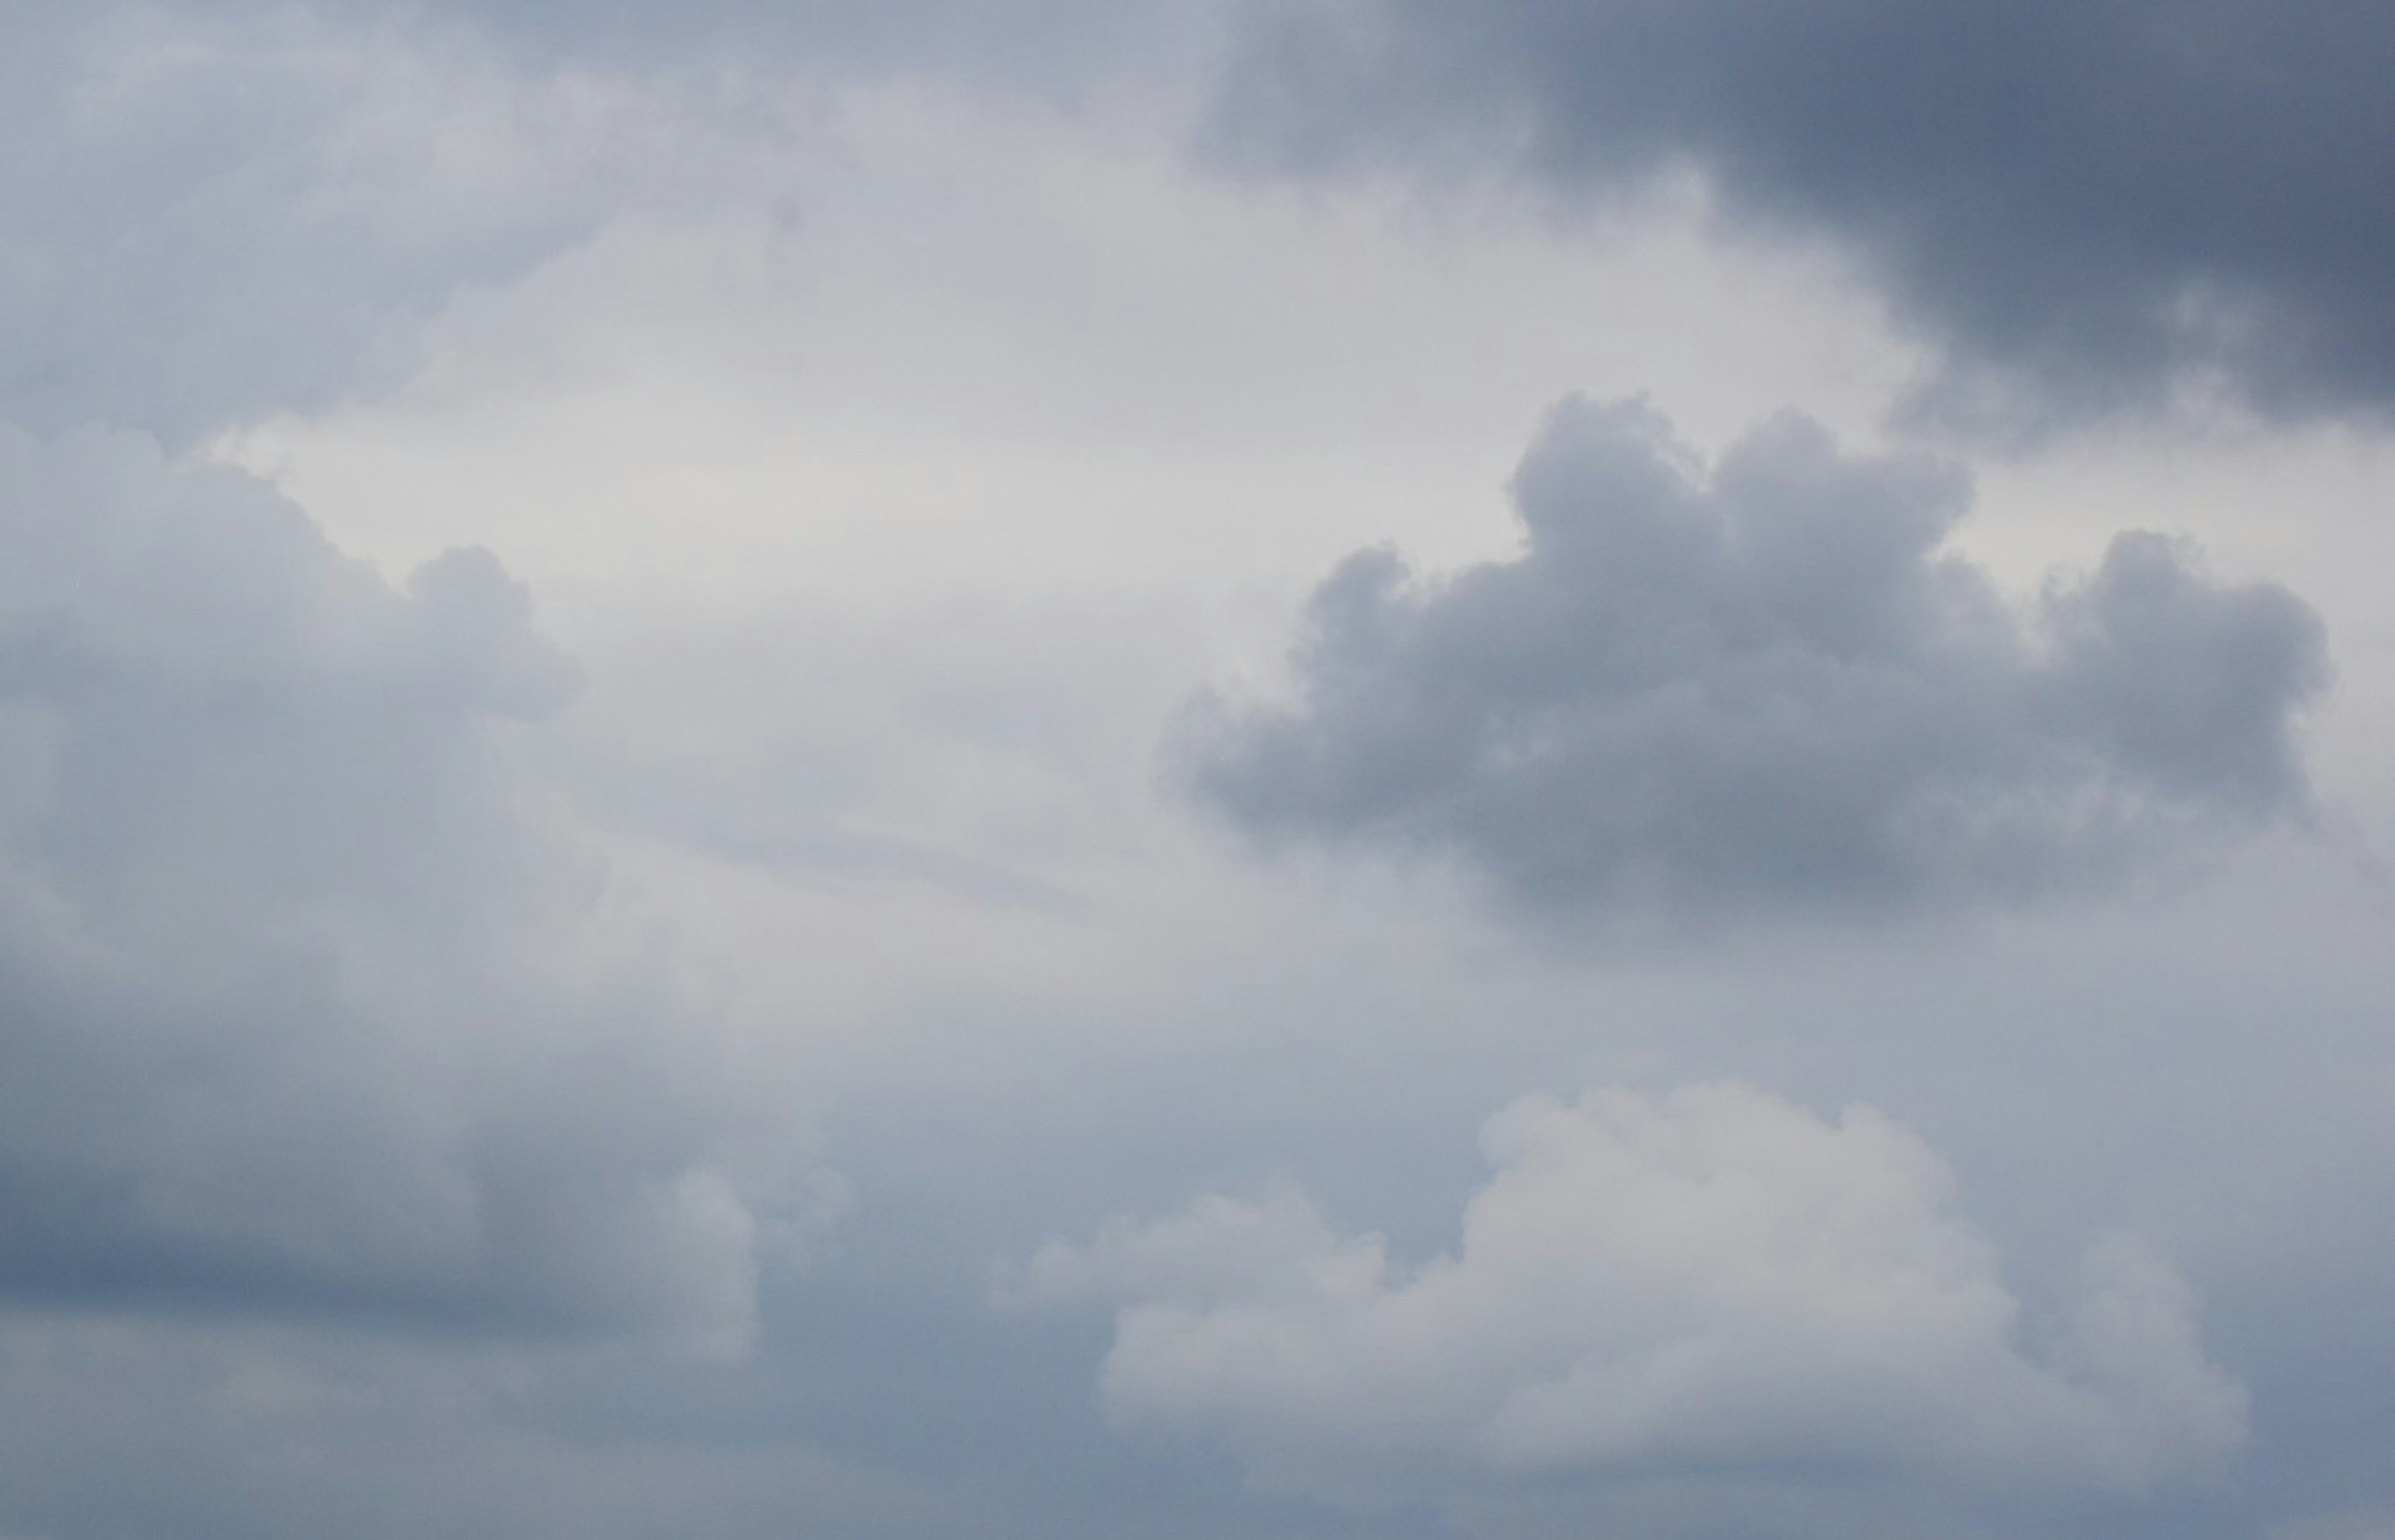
pixel 1708 1280
pixel 314 1007
pixel 1766 685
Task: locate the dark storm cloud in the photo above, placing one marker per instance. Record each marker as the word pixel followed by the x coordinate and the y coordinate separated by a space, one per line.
pixel 1764 686
pixel 2097 199
pixel 305 1009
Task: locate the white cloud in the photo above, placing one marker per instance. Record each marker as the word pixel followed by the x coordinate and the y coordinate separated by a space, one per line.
pixel 1712 1279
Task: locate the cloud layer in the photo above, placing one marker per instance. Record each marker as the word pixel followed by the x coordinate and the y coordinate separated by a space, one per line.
pixel 1708 1279
pixel 309 1005
pixel 1762 685
pixel 217 217
pixel 2101 201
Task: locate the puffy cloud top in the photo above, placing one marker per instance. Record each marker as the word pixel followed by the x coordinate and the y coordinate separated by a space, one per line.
pixel 1764 685
pixel 307 1007
pixel 1712 1277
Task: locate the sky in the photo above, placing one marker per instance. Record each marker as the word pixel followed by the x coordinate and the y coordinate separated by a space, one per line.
pixel 1197 768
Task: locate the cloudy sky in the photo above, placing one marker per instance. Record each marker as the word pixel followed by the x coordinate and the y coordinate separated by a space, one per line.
pixel 1194 769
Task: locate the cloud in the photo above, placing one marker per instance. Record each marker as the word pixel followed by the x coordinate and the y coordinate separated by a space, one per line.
pixel 206 1431
pixel 1710 1279
pixel 1763 686
pixel 2361 1524
pixel 217 215
pixel 1048 42
pixel 313 1006
pixel 2086 204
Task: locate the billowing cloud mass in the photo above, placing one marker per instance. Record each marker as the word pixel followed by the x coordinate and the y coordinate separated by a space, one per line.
pixel 1763 685
pixel 425 1017
pixel 2102 200
pixel 309 1010
pixel 1708 1280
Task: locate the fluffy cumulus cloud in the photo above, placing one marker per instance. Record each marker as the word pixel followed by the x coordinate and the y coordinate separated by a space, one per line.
pixel 2101 199
pixel 311 1007
pixel 1709 1280
pixel 1764 684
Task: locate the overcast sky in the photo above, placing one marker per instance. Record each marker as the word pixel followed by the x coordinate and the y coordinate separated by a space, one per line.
pixel 1192 769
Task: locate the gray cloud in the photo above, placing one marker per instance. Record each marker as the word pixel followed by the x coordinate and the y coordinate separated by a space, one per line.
pixel 311 1007
pixel 2100 200
pixel 1764 686
pixel 165 1427
pixel 218 214
pixel 1055 43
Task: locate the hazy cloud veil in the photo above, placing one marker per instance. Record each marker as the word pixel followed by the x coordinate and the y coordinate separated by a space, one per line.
pixel 591 602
